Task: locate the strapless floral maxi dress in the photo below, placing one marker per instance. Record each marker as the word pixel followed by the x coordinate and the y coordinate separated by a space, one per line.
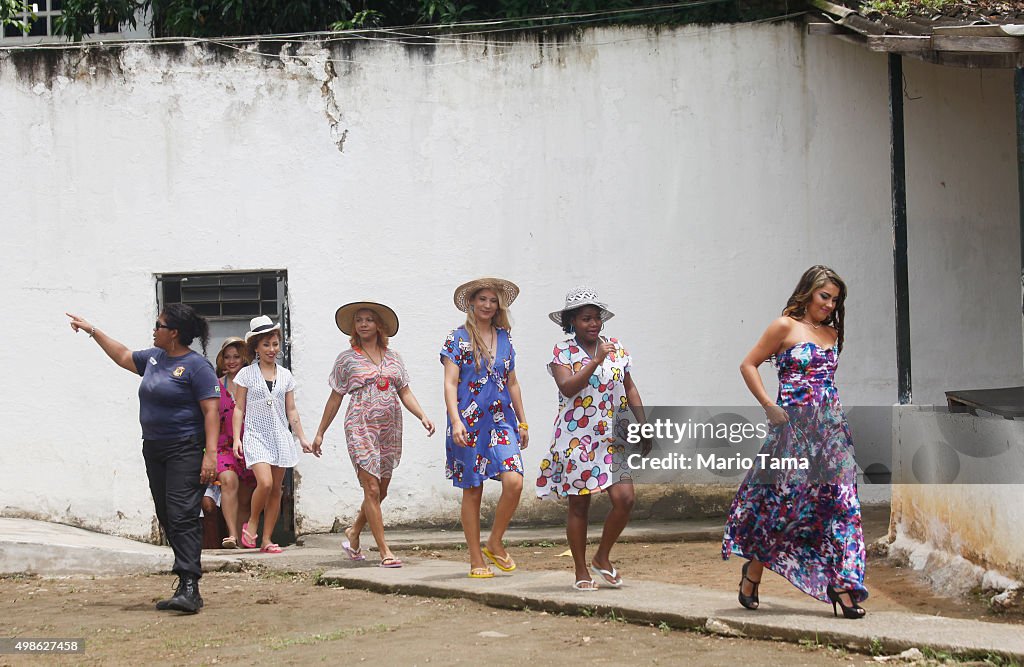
pixel 804 524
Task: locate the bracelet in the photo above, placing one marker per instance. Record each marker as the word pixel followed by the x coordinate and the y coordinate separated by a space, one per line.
pixel 524 426
pixel 92 332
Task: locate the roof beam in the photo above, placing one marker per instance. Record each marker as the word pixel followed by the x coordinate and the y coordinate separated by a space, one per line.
pixel 942 42
pixel 826 29
pixel 899 43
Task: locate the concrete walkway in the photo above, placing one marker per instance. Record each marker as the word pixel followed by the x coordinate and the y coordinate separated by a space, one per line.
pixel 45 549
pixel 689 607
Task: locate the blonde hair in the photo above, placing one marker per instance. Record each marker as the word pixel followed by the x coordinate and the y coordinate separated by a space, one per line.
pixel 382 339
pixel 242 351
pixel 500 321
pixel 815 278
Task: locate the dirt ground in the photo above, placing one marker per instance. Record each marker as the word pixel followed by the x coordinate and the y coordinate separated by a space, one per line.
pixel 281 618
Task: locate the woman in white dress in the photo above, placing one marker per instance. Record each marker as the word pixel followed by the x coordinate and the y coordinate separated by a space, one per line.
pixel 265 404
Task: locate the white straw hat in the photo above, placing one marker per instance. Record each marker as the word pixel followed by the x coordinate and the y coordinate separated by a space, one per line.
pixel 506 290
pixel 579 297
pixel 260 325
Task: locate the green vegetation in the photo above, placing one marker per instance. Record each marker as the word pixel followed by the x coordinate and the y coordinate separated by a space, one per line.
pixel 219 18
pixel 904 8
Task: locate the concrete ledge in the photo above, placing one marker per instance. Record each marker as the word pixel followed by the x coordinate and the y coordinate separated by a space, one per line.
pixel 689 607
pixel 51 549
pixel 705 530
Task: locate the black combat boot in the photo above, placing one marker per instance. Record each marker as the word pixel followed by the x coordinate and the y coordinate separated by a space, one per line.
pixel 186 597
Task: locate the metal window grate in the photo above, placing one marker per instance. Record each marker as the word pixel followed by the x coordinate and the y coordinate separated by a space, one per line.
pixel 224 295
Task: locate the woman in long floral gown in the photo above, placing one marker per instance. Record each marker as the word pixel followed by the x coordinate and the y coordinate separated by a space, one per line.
pixel 802 524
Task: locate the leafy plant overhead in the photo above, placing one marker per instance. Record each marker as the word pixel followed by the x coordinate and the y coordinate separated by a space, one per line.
pixel 16 12
pixel 218 18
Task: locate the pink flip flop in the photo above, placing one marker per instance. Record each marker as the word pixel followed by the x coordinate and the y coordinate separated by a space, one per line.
pixel 270 549
pixel 353 554
pixel 391 561
pixel 249 542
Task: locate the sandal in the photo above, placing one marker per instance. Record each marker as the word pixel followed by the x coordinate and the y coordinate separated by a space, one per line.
pixel 853 611
pixel 611 577
pixel 229 542
pixel 505 564
pixel 586 585
pixel 390 561
pixel 353 554
pixel 480 573
pixel 270 549
pixel 751 601
pixel 248 539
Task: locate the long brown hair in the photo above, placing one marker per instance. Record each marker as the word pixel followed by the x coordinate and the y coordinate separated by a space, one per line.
pixel 814 278
pixel 500 321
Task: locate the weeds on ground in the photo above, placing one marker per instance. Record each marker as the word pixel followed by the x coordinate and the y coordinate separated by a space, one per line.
pixel 947 658
pixel 305 640
pixel 615 618
pixel 904 8
pixel 664 628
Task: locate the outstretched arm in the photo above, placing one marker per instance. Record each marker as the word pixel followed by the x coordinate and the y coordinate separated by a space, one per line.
pixel 516 394
pixel 121 355
pixel 330 412
pixel 295 422
pixel 412 405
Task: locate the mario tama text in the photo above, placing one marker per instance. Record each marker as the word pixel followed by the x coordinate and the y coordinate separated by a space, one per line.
pixel 718 463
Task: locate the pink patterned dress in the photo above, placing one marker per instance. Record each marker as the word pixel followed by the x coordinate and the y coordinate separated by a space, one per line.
pixel 225 442
pixel 373 421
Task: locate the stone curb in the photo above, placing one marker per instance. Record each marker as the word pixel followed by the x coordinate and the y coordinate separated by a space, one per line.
pixel 691 608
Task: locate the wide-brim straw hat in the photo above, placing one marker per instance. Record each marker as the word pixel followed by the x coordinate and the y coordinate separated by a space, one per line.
pixel 387 320
pixel 506 290
pixel 260 325
pixel 231 340
pixel 579 297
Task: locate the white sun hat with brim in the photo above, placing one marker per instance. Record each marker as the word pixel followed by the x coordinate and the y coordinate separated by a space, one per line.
pixel 506 290
pixel 387 320
pixel 579 297
pixel 260 325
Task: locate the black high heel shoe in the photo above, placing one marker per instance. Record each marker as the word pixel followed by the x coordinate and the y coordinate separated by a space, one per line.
pixel 748 601
pixel 853 611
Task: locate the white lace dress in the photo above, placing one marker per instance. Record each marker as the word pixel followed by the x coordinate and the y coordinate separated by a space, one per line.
pixel 267 438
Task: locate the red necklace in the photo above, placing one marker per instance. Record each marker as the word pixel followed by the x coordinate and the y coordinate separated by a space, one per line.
pixel 382 382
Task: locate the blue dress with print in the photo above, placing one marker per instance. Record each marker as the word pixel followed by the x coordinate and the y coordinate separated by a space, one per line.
pixel 486 409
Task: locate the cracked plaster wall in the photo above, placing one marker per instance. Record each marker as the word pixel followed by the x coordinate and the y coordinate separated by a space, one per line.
pixel 689 175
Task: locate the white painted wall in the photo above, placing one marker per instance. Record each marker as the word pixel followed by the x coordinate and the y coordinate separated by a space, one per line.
pixel 689 175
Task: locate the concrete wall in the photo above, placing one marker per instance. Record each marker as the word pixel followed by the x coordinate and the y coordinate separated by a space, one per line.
pixel 690 175
pixel 958 512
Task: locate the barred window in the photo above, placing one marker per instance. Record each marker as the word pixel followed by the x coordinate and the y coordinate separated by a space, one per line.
pixel 234 295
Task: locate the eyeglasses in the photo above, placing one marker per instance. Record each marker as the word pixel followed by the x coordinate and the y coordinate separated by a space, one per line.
pixel 160 325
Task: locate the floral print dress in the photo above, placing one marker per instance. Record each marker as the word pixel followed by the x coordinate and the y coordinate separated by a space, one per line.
pixel 587 449
pixel 804 524
pixel 486 408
